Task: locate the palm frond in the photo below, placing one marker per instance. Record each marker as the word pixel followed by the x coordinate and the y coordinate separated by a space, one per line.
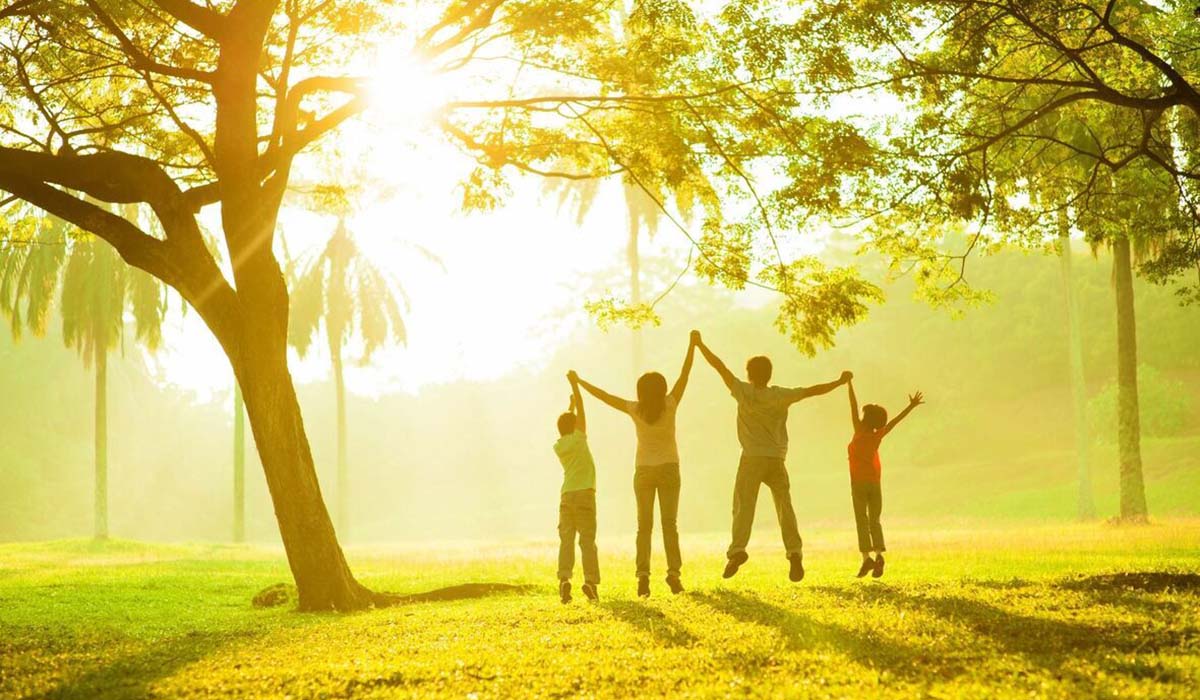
pixel 148 302
pixel 307 306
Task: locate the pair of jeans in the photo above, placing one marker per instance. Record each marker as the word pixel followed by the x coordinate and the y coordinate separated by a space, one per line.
pixel 868 501
pixel 577 515
pixel 661 480
pixel 752 473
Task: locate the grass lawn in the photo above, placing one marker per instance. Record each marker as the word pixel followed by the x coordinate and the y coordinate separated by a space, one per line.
pixel 964 613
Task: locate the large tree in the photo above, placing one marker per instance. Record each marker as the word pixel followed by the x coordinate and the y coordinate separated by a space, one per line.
pixel 176 107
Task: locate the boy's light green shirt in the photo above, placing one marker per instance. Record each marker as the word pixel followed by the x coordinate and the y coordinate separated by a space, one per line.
pixel 579 471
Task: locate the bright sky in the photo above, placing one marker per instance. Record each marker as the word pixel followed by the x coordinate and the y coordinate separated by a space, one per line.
pixel 513 288
pixel 515 278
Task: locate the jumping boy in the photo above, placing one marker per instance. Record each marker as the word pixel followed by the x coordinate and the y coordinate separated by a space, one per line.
pixel 577 505
pixel 865 493
pixel 762 411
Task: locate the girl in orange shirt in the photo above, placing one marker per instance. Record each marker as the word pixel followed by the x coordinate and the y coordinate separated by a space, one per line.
pixel 865 494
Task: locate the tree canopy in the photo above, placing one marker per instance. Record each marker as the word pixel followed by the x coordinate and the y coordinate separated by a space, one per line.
pixel 1001 115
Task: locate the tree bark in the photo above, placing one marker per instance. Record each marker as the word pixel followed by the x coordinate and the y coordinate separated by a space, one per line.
pixel 1085 503
pixel 323 579
pixel 1133 491
pixel 239 464
pixel 100 508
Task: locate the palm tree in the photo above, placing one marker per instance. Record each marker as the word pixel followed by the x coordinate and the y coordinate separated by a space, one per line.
pixel 97 289
pixel 342 288
pixel 1085 504
pixel 642 214
pixel 239 464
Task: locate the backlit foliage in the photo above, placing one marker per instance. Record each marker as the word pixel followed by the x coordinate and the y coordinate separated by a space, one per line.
pixel 1003 116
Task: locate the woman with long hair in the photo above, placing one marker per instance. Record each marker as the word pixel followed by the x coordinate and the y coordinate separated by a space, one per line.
pixel 656 472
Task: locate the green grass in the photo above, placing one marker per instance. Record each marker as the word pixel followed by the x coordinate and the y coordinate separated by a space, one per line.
pixel 965 613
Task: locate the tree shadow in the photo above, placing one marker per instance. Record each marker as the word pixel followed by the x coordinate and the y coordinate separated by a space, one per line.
pixel 1041 642
pixel 132 675
pixel 464 591
pixel 1139 581
pixel 651 621
pixel 801 632
pixel 280 594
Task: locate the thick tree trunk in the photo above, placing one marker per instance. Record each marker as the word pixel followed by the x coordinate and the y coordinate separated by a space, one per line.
pixel 1085 504
pixel 254 335
pixel 239 464
pixel 323 579
pixel 635 278
pixel 343 471
pixel 1133 492
pixel 100 509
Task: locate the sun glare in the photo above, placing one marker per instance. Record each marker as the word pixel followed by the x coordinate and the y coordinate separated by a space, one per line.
pixel 404 91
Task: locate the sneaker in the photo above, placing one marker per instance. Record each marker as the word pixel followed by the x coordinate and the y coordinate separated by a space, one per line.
pixel 675 584
pixel 564 591
pixel 643 586
pixel 796 572
pixel 878 570
pixel 867 567
pixel 735 561
pixel 589 590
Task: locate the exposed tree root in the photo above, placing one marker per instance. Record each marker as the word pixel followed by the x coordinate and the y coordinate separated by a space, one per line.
pixel 463 591
pixel 285 593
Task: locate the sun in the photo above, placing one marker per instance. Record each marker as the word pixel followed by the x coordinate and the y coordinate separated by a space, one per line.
pixel 404 90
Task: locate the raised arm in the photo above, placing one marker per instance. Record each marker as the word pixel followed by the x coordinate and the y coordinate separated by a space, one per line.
pixel 819 389
pixel 577 403
pixel 726 375
pixel 616 402
pixel 681 383
pixel 854 415
pixel 914 400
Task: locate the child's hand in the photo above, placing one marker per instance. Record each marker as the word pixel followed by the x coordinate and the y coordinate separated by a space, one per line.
pixel 916 399
pixel 695 339
pixel 572 377
pixel 846 377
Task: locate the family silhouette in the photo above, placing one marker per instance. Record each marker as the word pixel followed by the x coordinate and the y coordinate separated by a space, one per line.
pixel 762 412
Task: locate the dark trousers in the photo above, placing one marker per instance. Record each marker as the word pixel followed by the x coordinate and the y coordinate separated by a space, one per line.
pixel 752 473
pixel 577 515
pixel 661 480
pixel 868 501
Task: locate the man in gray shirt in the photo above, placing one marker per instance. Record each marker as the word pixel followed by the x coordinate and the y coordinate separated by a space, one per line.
pixel 762 432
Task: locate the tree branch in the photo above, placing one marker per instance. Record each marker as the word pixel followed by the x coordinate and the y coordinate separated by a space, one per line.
pixel 135 246
pixel 203 19
pixel 138 58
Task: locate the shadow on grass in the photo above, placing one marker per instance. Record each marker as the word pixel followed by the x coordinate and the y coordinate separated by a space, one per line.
pixel 465 591
pixel 801 632
pixel 280 594
pixel 132 675
pixel 1041 642
pixel 1140 581
pixel 650 621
